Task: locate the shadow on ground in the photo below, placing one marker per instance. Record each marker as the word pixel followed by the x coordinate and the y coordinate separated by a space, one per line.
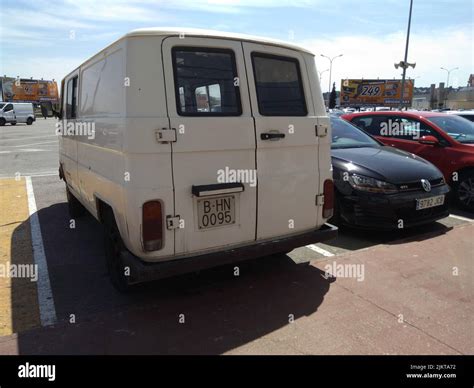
pixel 207 313
pixel 352 239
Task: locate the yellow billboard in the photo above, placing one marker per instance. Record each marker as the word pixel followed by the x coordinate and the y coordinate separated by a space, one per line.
pixel 28 90
pixel 375 92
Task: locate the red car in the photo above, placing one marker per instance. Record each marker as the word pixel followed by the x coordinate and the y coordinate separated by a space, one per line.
pixel 447 141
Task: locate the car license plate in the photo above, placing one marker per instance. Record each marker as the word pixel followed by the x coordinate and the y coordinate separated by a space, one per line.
pixel 426 203
pixel 214 212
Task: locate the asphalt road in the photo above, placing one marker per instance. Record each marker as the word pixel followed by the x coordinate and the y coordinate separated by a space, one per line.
pixel 251 313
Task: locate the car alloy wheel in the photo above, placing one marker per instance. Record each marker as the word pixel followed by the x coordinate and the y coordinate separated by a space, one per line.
pixel 465 192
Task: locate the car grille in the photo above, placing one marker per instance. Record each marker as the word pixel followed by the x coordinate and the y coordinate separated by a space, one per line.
pixel 411 186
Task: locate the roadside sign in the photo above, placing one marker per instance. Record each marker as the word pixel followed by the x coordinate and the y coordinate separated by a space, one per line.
pixel 375 92
pixel 28 90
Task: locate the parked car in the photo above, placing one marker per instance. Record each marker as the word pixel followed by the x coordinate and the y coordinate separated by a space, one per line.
pixel 381 187
pixel 445 140
pixel 467 114
pixel 16 112
pixel 171 181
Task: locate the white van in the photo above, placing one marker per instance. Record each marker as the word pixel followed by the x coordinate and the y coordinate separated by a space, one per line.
pixel 195 149
pixel 16 112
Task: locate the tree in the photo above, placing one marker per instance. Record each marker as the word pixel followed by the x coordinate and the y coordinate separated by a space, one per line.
pixel 332 97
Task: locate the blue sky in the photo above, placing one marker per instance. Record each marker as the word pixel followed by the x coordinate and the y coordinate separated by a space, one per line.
pixel 49 38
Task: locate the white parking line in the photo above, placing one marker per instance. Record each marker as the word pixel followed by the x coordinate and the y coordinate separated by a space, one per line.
pixel 45 295
pixel 27 138
pixel 461 218
pixel 321 251
pixel 23 151
pixel 32 174
pixel 32 144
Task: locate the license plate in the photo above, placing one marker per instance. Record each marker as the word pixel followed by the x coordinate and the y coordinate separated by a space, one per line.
pixel 426 203
pixel 215 212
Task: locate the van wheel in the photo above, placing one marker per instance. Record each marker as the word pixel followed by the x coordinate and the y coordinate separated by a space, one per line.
pixel 75 208
pixel 29 121
pixel 115 266
pixel 2 121
pixel 465 191
pixel 13 123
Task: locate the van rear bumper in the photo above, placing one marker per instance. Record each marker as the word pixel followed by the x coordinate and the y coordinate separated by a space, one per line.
pixel 141 271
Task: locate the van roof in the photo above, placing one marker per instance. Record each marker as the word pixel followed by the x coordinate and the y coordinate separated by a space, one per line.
pixel 176 31
pixel 170 31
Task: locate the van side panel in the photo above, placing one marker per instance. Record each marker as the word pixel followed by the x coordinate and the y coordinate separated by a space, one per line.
pixel 100 162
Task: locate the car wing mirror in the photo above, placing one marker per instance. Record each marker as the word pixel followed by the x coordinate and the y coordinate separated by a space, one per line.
pixel 428 140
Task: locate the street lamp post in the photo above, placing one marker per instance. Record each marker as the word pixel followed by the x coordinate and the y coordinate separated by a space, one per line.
pixel 404 64
pixel 321 74
pixel 449 72
pixel 447 82
pixel 330 70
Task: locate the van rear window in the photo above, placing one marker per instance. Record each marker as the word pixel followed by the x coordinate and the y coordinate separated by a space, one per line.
pixel 279 85
pixel 205 82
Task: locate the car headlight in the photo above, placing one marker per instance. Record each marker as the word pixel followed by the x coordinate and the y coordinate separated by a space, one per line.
pixel 365 183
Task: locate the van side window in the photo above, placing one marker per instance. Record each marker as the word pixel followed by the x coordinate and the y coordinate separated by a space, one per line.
pixel 279 85
pixel 8 108
pixel 71 99
pixel 205 82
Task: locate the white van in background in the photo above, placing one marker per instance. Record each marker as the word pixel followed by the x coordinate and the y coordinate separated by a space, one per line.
pixel 195 149
pixel 16 112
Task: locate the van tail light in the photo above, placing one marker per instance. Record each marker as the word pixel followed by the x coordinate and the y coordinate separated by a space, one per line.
pixel 152 228
pixel 328 206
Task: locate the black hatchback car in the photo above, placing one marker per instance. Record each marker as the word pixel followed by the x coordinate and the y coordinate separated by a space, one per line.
pixel 381 187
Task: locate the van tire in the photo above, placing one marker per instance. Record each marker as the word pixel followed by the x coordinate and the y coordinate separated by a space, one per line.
pixel 114 246
pixel 13 123
pixel 2 122
pixel 76 209
pixel 29 121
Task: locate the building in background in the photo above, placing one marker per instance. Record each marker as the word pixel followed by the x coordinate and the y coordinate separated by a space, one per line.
pixel 442 97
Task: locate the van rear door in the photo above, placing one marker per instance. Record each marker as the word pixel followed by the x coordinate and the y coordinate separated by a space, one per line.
pixel 287 145
pixel 213 143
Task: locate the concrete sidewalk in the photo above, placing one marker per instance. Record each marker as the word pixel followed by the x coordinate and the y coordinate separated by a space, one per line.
pixel 415 298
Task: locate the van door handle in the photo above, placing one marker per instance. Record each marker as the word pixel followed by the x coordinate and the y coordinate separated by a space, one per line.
pixel 271 136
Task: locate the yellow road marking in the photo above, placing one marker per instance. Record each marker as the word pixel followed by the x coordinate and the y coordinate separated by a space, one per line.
pixel 19 308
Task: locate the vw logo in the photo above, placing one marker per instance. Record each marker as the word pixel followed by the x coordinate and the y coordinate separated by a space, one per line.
pixel 426 185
